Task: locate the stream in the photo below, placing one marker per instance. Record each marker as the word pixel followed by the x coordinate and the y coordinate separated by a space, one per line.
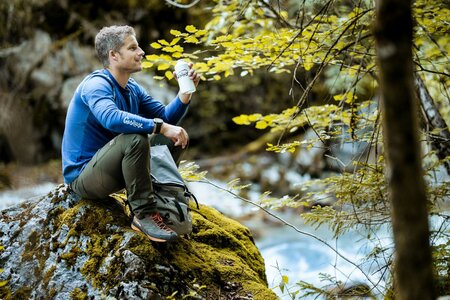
pixel 286 252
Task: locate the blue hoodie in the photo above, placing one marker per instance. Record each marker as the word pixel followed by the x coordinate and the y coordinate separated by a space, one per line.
pixel 100 110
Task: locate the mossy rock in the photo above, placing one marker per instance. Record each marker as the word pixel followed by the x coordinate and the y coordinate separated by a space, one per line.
pixel 59 248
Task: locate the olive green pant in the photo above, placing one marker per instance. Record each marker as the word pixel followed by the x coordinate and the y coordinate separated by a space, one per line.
pixel 123 163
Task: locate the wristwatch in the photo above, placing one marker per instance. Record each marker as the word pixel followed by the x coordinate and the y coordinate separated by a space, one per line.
pixel 158 125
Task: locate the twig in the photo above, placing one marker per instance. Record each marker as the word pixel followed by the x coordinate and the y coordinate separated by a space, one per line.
pixel 182 5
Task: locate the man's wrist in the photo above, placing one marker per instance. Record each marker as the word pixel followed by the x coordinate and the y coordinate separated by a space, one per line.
pixel 185 98
pixel 158 124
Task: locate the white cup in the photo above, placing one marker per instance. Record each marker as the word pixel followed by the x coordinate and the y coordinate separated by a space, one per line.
pixel 186 84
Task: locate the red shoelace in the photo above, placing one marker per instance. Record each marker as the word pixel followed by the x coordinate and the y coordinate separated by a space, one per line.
pixel 160 222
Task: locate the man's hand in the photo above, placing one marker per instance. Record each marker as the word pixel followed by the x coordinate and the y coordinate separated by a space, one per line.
pixel 185 98
pixel 176 134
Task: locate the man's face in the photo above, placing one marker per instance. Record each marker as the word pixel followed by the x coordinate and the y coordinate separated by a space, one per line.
pixel 130 56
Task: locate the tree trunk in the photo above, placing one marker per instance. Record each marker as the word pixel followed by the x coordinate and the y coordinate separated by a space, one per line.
pixel 440 142
pixel 412 268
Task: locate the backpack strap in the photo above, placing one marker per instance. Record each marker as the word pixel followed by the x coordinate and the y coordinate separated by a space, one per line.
pixel 188 193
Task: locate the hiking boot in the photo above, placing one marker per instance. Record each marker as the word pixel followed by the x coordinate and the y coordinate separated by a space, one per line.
pixel 152 225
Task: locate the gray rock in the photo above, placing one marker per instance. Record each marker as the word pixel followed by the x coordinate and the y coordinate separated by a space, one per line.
pixel 60 247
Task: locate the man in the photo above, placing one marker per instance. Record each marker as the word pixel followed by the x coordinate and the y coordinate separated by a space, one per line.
pixel 105 145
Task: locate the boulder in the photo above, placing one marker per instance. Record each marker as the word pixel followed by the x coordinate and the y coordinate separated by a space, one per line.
pixel 57 247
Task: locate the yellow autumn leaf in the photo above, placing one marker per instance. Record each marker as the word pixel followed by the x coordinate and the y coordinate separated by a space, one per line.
pixel 191 39
pixel 178 48
pixel 155 45
pixel 261 125
pixel 191 28
pixel 254 117
pixel 174 41
pixel 338 97
pixel 3 283
pixel 147 64
pixel 165 57
pixel 176 55
pixel 219 39
pixel 191 56
pixel 217 77
pixel 163 66
pixel 200 32
pixel 340 45
pixel 269 118
pixel 163 42
pixel 350 97
pixel 169 75
pixel 230 44
pixel 308 65
pixel 175 32
pixel 201 67
pixel 152 57
pixel 241 120
pixel 168 49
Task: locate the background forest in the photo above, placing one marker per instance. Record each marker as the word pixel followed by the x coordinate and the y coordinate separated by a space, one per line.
pixel 354 95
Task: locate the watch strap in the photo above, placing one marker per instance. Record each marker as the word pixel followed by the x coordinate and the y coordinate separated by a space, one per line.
pixel 158 125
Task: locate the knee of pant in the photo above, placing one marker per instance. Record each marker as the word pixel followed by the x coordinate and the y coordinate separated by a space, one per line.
pixel 136 141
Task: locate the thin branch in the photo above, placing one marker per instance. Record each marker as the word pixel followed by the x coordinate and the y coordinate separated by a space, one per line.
pixel 182 5
pixel 277 15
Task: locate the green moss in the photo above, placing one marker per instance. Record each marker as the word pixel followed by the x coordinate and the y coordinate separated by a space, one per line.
pixel 48 276
pixel 51 293
pixel 78 294
pixel 140 245
pixel 28 252
pixel 5 292
pixel 23 292
pixel 71 256
pixel 212 228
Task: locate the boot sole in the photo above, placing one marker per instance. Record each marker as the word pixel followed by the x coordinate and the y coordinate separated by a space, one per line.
pixel 149 236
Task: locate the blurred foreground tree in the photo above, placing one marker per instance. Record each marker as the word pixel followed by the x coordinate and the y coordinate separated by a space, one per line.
pixel 331 44
pixel 406 186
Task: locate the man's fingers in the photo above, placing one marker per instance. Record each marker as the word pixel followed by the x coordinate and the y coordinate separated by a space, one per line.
pixel 178 135
pixel 182 140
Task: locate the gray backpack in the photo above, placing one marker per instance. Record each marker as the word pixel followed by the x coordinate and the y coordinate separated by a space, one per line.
pixel 171 193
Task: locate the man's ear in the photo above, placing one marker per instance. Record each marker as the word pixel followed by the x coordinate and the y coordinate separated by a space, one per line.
pixel 113 55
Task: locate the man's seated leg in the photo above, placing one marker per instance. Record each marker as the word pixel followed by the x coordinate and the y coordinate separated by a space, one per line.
pixel 124 162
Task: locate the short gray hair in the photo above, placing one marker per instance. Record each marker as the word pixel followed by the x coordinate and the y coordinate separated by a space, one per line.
pixel 111 38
